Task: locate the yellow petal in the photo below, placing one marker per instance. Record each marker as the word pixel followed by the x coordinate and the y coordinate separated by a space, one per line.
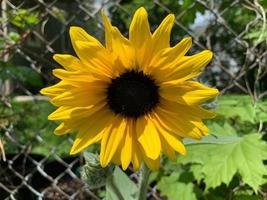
pixel 172 140
pixel 91 52
pixel 189 112
pixel 167 149
pixel 84 140
pixel 187 67
pixel 73 124
pixel 111 141
pixel 139 31
pixel 108 30
pixel 80 97
pixel 176 125
pixel 148 137
pixel 137 158
pixel 196 131
pixel 97 125
pixel 118 44
pixel 56 89
pixel 161 36
pixel 189 92
pixel 185 121
pixel 62 129
pixel 65 112
pixel 126 151
pixel 202 127
pixel 79 34
pixel 69 62
pixel 152 164
pixel 116 159
pixel 136 152
pixel 122 48
pixel 169 56
pixel 76 78
pixel 141 37
pixel 95 56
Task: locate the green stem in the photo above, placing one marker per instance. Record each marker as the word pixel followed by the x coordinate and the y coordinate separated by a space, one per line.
pixel 143 182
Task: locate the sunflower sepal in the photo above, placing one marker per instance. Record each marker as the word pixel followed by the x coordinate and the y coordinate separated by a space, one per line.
pixel 93 174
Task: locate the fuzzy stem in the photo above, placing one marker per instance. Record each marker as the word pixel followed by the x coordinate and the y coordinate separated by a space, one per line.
pixel 143 182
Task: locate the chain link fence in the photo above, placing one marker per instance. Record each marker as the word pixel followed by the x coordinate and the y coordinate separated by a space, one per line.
pixel 35 163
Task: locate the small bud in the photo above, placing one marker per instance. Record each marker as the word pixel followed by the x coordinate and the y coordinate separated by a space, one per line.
pixel 92 173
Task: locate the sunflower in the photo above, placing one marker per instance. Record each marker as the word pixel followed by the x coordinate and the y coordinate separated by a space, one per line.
pixel 135 96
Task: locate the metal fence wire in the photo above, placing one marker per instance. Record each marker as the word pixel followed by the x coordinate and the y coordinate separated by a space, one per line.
pixel 35 163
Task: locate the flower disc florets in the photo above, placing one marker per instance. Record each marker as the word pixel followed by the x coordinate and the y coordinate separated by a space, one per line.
pixel 132 94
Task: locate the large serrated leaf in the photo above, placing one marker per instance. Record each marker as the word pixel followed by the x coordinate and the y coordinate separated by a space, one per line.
pixel 245 157
pixel 221 162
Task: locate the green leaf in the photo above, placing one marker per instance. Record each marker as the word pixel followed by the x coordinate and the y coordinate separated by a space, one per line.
pixel 247 197
pixel 26 75
pixel 212 140
pixel 14 36
pixel 196 154
pixel 236 106
pixel 257 35
pixel 221 162
pixel 221 130
pixel 153 176
pixel 196 171
pixel 120 187
pixel 24 19
pixel 262 111
pixel 245 157
pixel 170 187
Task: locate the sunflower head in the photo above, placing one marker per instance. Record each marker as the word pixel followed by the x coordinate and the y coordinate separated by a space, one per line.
pixel 135 97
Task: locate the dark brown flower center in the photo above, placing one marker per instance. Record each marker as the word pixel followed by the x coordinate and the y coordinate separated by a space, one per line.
pixel 132 94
